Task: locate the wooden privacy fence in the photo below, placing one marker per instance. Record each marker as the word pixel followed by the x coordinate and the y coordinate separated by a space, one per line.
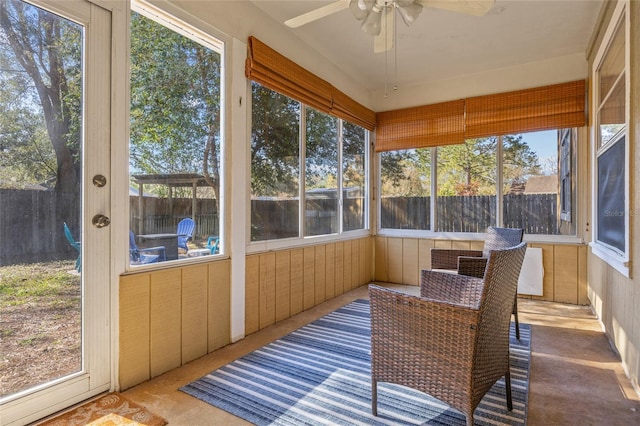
pixel 275 219
pixel 161 215
pixel 31 225
pixel 31 222
pixel 536 213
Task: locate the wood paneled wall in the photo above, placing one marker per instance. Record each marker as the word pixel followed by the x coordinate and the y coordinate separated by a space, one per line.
pixel 400 260
pixel 170 317
pixel 283 283
pixel 173 316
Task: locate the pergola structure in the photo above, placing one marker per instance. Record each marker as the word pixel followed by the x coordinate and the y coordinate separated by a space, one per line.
pixel 182 180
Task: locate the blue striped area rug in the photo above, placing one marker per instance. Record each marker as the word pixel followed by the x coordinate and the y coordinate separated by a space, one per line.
pixel 320 375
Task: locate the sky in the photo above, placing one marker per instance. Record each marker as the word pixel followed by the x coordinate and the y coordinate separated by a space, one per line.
pixel 545 144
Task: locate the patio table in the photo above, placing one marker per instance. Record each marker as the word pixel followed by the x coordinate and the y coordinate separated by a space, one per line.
pixel 169 241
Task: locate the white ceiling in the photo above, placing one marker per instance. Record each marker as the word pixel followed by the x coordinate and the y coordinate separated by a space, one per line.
pixel 443 44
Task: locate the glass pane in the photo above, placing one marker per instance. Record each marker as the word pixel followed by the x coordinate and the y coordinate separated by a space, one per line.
pixel 353 176
pixel 275 165
pixel 611 116
pixel 41 69
pixel 530 177
pixel 565 174
pixel 405 192
pixel 611 227
pixel 467 186
pixel 175 145
pixel 613 62
pixel 321 174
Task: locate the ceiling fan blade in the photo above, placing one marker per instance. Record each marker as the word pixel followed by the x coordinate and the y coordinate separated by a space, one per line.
pixel 316 14
pixel 384 41
pixel 469 7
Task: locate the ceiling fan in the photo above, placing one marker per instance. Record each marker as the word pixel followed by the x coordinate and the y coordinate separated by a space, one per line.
pixel 377 16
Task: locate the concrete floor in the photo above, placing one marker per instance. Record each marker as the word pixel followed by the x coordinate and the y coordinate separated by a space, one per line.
pixel 575 379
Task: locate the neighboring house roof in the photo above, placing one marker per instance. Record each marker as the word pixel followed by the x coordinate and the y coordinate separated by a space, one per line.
pixel 542 185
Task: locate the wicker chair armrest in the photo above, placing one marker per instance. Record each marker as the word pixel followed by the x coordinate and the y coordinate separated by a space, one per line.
pixel 460 290
pixel 472 266
pixel 416 328
pixel 448 258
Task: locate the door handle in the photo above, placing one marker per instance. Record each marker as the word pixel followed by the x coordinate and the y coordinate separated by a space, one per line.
pixel 100 221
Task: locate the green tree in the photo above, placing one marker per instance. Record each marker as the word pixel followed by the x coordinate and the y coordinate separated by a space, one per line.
pixel 26 154
pixel 275 146
pixel 175 103
pixel 468 168
pixel 353 154
pixel 402 173
pixel 519 160
pixel 321 150
pixel 46 49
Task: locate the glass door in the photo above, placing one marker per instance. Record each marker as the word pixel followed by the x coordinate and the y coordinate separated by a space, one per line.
pixel 54 206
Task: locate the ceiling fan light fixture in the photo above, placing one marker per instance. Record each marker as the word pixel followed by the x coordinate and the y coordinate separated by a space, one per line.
pixel 360 8
pixel 372 23
pixel 410 12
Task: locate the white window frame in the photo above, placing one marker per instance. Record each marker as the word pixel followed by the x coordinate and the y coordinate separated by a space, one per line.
pixel 620 261
pixel 174 19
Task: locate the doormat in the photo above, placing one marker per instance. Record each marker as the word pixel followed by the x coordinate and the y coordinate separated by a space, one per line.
pixel 110 410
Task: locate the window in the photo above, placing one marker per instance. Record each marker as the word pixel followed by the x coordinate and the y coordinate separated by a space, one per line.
pixel 509 180
pixel 405 189
pixel 176 139
pixel 531 184
pixel 293 143
pixel 321 173
pixel 275 165
pixel 611 163
pixel 354 176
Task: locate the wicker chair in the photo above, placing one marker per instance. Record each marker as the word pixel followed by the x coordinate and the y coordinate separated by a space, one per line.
pixel 474 262
pixel 452 342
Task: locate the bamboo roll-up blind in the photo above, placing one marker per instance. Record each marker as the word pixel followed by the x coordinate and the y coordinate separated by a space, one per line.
pixel 557 106
pixel 420 127
pixel 346 108
pixel 271 69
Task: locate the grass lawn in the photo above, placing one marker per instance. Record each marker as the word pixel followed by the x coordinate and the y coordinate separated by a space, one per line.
pixel 40 324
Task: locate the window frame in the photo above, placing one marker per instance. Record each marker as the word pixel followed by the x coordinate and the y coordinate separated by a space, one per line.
pixel 302 239
pixel 565 175
pixel 175 20
pixel 617 259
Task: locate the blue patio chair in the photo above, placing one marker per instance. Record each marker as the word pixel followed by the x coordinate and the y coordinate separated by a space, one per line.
pixel 75 244
pixel 213 244
pixel 141 256
pixel 185 232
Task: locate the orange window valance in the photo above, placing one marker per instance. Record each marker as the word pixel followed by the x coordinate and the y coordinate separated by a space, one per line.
pixel 420 127
pixel 271 69
pixel 543 108
pixel 557 106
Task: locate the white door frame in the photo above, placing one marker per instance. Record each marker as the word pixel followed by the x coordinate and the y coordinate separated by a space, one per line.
pixel 105 114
